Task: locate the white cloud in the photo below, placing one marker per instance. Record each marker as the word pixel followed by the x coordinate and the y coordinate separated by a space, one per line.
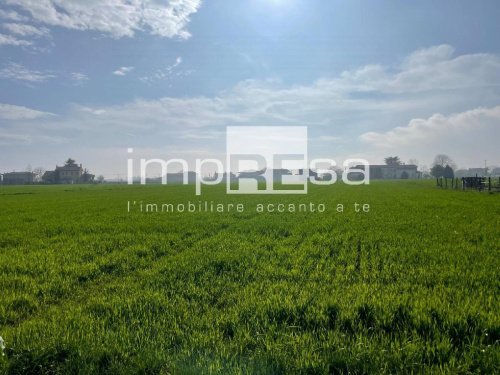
pixel 19 72
pixel 118 18
pixel 428 69
pixel 468 135
pixel 26 30
pixel 124 70
pixel 438 128
pixel 429 56
pixel 15 112
pixel 8 40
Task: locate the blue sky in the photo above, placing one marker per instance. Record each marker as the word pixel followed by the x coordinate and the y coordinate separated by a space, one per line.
pixel 88 79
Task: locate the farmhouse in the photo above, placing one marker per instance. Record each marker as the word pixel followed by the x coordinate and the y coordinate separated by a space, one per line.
pixel 389 172
pixel 69 173
pixel 394 172
pixel 18 178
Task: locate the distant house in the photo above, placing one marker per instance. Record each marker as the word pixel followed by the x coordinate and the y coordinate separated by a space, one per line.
pixel 277 174
pixel 18 178
pixel 69 173
pixel 251 174
pixel 172 178
pixel 225 177
pixel 311 173
pixel 49 177
pixel 471 172
pixel 394 172
pixel 391 172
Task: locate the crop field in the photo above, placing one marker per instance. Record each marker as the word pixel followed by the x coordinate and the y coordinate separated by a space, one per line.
pixel 90 284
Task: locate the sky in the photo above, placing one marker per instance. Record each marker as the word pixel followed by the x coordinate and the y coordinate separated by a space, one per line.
pixel 90 79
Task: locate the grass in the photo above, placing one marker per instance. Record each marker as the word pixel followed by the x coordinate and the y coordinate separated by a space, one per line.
pixel 411 286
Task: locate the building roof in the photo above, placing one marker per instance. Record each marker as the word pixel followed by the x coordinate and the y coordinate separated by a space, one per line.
pixel 476 170
pixel 69 168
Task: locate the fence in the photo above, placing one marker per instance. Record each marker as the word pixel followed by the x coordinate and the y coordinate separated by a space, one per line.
pixel 470 183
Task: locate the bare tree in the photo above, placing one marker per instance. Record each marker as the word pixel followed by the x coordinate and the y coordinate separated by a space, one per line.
pixel 425 170
pixel 38 171
pixel 437 171
pixel 448 172
pixel 443 160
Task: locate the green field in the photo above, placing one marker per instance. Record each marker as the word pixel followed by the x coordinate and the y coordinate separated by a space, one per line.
pixel 411 286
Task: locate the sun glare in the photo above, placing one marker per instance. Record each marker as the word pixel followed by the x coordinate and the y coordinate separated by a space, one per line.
pixel 274 3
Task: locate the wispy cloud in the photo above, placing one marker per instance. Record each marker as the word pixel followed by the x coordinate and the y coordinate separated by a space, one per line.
pixel 327 138
pixel 356 99
pixel 9 40
pixel 15 112
pixel 124 70
pixel 11 15
pixel 25 30
pixel 201 134
pixel 428 69
pixel 16 71
pixel 14 139
pixel 119 18
pixel 366 112
pixel 163 73
pixel 79 77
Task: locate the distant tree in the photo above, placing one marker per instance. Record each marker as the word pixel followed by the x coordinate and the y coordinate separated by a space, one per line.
pixel 38 171
pixel 437 171
pixel 443 160
pixel 426 172
pixel 100 179
pixel 28 168
pixel 70 161
pixel 392 160
pixel 448 172
pixel 493 170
